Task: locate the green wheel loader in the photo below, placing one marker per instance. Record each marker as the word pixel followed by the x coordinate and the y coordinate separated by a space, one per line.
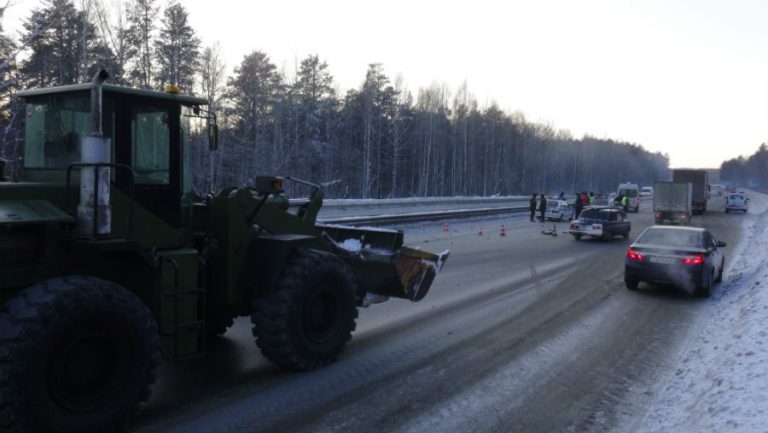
pixel 109 261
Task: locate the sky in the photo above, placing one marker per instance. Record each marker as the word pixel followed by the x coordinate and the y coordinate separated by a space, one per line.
pixel 688 78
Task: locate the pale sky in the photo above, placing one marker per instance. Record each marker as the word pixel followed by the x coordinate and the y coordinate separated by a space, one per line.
pixel 688 78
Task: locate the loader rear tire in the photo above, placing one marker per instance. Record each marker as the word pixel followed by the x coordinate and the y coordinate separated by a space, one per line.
pixel 306 321
pixel 76 354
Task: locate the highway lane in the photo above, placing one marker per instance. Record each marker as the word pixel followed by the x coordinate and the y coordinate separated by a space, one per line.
pixel 522 332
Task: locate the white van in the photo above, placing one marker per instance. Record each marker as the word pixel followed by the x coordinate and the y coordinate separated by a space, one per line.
pixel 632 192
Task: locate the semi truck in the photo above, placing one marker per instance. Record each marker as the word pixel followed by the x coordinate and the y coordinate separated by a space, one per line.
pixel 672 202
pixel 699 180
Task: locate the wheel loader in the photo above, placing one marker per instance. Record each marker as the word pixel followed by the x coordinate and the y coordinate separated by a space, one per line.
pixel 109 261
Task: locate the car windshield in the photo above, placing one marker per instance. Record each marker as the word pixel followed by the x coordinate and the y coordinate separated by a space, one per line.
pixel 672 238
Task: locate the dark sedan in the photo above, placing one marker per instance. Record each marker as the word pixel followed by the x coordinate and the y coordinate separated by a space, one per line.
pixel 601 222
pixel 687 257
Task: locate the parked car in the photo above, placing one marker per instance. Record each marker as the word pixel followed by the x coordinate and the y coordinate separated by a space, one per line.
pixel 736 201
pixel 559 210
pixel 687 257
pixel 646 191
pixel 601 222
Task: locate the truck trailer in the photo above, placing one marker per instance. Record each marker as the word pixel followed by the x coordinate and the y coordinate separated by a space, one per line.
pixel 699 179
pixel 672 202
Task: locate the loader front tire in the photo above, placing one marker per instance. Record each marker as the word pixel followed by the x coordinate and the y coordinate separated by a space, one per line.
pixel 76 354
pixel 305 322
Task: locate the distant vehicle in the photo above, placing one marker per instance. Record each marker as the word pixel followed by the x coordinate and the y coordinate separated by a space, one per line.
pixel 687 257
pixel 602 200
pixel 699 179
pixel 632 192
pixel 646 191
pixel 716 190
pixel 736 201
pixel 559 210
pixel 672 203
pixel 601 222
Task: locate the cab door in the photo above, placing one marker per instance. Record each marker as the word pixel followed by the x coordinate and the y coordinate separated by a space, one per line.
pixel 148 134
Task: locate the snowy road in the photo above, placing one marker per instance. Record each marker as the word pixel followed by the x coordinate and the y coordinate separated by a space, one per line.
pixel 523 332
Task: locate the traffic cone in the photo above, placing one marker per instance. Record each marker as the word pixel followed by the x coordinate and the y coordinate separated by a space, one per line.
pixel 445 226
pixel 503 231
pixel 480 233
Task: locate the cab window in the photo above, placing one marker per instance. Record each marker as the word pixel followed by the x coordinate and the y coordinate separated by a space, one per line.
pixel 150 145
pixel 54 127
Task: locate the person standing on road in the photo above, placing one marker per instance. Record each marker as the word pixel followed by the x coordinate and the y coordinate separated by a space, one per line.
pixel 543 207
pixel 533 206
pixel 591 197
pixel 578 205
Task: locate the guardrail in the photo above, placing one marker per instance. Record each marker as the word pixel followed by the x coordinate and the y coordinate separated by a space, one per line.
pixel 411 201
pixel 422 216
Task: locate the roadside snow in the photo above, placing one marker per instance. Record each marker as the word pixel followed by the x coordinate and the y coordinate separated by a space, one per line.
pixel 721 380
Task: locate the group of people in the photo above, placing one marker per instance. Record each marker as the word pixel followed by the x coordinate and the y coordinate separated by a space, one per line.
pixel 582 200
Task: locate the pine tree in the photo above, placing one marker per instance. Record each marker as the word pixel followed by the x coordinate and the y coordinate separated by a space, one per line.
pixel 253 91
pixel 64 46
pixel 140 37
pixel 177 49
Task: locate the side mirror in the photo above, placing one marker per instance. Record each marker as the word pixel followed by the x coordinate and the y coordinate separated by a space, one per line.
pixel 213 136
pixel 721 244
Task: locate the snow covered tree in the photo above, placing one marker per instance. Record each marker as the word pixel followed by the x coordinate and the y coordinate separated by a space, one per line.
pixel 177 49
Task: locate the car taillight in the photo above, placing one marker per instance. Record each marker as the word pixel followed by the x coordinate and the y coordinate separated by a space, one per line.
pixel 683 216
pixel 694 260
pixel 658 215
pixel 634 255
pixel 574 226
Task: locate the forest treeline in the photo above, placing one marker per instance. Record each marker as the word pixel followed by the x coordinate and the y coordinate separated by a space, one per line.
pixel 374 141
pixel 751 171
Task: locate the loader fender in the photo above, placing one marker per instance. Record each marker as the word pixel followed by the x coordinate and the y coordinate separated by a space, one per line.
pixel 267 257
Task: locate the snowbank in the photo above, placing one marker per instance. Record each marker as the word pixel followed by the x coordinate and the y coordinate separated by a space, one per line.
pixel 721 381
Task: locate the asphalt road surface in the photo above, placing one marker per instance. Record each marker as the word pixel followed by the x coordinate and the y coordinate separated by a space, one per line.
pixel 525 332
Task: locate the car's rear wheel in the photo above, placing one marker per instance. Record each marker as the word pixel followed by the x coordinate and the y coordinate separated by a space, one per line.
pixel 625 235
pixel 577 237
pixel 705 290
pixel 719 278
pixel 631 283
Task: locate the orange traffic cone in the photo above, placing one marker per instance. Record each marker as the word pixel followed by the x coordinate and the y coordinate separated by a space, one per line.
pixel 503 231
pixel 445 226
pixel 480 233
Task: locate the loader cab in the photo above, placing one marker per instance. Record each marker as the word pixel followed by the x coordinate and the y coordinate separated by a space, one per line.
pixel 149 132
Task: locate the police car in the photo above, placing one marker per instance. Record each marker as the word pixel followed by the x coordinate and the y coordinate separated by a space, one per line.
pixel 602 222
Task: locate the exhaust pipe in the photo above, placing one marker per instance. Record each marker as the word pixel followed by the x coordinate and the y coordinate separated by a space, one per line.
pixel 94 214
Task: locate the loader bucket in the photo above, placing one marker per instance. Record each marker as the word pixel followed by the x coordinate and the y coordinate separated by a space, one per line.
pixel 382 265
pixel 417 270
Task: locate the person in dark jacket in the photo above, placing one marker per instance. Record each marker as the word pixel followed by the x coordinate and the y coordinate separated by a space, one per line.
pixel 533 206
pixel 543 207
